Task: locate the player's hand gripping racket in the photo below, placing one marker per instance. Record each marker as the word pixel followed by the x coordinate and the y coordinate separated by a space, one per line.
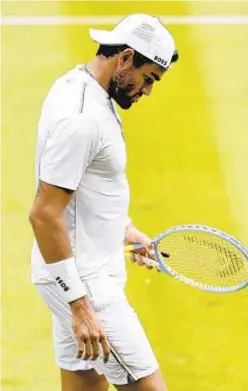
pixel 200 256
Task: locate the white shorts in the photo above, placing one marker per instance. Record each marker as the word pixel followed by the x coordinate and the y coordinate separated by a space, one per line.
pixel 120 323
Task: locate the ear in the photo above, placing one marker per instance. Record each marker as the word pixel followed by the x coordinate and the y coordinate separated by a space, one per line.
pixel 125 60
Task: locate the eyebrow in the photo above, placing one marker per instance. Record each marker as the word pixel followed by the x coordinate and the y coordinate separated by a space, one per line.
pixel 156 77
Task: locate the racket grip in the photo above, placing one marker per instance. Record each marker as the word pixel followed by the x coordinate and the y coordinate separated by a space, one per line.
pixel 138 246
pixel 131 247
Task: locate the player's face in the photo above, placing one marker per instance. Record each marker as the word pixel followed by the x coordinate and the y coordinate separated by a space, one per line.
pixel 129 83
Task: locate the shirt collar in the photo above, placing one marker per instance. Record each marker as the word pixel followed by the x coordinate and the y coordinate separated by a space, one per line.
pixel 101 92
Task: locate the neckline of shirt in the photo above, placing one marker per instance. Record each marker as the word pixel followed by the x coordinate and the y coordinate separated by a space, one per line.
pixel 101 92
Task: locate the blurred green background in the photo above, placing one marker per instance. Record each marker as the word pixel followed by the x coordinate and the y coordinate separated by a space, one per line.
pixel 187 163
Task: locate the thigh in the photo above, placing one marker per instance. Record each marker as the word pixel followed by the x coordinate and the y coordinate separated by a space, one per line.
pixel 130 344
pixel 82 381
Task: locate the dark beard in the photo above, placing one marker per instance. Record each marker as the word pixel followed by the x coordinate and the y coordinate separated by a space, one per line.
pixel 120 94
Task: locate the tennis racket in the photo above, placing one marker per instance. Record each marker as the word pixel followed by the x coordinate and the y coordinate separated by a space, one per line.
pixel 200 256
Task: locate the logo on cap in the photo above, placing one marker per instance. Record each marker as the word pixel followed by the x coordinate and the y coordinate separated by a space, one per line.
pixel 160 60
pixel 144 31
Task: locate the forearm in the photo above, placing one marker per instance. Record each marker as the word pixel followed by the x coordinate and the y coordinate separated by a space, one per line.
pixel 132 234
pixel 53 241
pixel 51 235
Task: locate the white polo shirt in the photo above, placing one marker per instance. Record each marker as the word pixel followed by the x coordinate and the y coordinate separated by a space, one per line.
pixel 80 147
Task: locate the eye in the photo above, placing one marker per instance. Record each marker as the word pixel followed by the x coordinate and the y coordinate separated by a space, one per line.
pixel 148 80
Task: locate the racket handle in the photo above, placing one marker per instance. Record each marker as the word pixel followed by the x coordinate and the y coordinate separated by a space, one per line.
pixel 131 247
pixel 138 246
pixel 147 261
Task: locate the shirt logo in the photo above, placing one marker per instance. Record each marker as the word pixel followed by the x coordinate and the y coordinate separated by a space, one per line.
pixel 160 60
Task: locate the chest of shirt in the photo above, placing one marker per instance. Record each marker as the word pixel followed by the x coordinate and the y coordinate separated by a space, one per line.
pixel 110 161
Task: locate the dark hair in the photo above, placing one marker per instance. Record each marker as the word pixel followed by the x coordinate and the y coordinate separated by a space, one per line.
pixel 138 59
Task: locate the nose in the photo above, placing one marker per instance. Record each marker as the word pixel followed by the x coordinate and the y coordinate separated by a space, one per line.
pixel 147 90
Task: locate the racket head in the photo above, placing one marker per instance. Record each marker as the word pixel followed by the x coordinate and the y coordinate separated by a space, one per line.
pixel 203 257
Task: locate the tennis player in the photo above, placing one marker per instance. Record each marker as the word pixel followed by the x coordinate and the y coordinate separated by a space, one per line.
pixel 80 213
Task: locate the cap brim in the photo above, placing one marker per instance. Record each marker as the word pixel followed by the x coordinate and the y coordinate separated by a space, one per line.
pixel 104 37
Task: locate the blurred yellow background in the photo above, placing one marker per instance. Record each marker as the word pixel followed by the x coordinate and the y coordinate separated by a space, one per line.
pixel 187 163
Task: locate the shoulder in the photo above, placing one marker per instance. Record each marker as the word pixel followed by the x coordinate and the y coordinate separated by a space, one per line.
pixel 95 107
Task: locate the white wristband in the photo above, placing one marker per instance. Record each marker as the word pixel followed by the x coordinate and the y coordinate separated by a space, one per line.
pixel 67 279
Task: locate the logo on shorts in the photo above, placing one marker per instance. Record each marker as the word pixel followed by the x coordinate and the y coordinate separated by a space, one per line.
pixel 160 60
pixel 62 284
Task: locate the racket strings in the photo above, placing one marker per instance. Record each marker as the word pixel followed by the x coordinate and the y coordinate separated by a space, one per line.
pixel 224 254
pixel 205 258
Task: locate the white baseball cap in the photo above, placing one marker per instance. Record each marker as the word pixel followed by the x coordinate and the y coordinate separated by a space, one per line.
pixel 144 33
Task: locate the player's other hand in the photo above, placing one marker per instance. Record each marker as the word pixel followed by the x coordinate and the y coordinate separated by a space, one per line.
pixel 133 235
pixel 88 331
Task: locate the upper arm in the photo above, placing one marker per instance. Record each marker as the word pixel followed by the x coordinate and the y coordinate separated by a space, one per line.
pixel 69 149
pixel 50 200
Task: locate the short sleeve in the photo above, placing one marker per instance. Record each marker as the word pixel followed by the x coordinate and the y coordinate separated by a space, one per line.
pixel 70 148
